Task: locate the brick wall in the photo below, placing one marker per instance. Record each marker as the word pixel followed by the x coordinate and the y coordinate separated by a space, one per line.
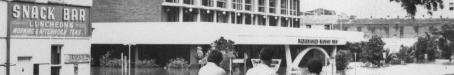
pixel 127 11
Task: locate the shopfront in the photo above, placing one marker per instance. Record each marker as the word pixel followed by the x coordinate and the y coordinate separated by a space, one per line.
pixel 44 39
pixel 162 41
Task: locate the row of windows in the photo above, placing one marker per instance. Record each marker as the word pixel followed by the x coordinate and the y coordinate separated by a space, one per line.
pixel 248 5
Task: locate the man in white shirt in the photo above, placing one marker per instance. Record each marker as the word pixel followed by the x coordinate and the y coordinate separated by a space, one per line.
pixel 211 68
pixel 264 67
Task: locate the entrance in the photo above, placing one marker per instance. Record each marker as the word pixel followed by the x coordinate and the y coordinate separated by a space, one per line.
pixel 24 65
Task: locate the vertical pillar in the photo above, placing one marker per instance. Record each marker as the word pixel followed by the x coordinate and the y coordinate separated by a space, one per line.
pixel 229 16
pixel 243 17
pixel 267 20
pixel 180 14
pixel 199 15
pixel 278 22
pixel 253 19
pixel 215 4
pixel 333 59
pixel 215 17
pixel 278 7
pixel 288 58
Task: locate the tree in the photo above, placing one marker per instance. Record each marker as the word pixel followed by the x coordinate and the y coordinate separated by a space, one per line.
pixel 426 45
pixel 373 50
pixel 228 49
pixel 445 42
pixel 410 5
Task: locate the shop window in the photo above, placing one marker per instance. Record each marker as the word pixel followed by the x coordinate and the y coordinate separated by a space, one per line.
pixel 56 54
pixel 309 26
pixel 172 1
pixel 55 70
pixel 327 27
pixel 35 69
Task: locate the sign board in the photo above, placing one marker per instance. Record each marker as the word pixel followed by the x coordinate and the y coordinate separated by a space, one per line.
pixel 318 41
pixel 238 61
pixel 275 63
pixel 77 58
pixel 46 20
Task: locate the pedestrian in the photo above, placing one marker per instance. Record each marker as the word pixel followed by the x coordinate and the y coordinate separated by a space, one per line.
pixel 264 67
pixel 315 65
pixel 212 67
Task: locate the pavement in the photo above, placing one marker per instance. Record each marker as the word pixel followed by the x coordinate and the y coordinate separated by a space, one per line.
pixel 439 67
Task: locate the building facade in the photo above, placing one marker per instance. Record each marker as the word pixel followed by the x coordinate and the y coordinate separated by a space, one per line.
pixel 44 38
pixel 280 13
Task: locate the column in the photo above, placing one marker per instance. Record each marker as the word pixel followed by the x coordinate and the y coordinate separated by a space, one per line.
pixel 288 58
pixel 288 8
pixel 199 16
pixel 267 5
pixel 180 14
pixel 278 23
pixel 215 16
pixel 267 21
pixel 229 16
pixel 243 18
pixel 215 3
pixel 278 7
pixel 253 19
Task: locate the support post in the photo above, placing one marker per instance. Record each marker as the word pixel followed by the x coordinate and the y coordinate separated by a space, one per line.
pixel 288 58
pixel 180 15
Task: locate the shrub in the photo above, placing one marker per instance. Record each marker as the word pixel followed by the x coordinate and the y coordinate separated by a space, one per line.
pixel 178 63
pixel 342 60
pixel 146 63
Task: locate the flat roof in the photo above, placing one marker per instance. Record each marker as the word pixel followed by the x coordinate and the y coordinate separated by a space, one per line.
pixel 207 32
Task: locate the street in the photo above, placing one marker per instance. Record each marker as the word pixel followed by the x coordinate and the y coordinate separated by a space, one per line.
pixel 439 67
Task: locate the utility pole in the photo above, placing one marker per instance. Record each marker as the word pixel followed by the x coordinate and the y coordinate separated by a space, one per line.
pixel 8 46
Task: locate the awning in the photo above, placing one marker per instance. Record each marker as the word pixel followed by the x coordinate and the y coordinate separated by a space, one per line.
pixel 206 33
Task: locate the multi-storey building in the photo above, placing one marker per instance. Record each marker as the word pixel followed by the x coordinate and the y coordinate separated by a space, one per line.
pixel 283 13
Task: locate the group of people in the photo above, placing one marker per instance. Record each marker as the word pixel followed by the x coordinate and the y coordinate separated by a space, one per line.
pixel 215 57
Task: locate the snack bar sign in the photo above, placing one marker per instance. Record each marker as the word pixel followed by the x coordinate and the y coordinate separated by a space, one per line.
pixel 31 19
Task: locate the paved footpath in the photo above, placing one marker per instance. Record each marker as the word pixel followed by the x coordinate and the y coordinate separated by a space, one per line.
pixel 436 68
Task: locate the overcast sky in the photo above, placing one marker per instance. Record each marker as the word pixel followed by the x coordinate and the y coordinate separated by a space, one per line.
pixel 367 8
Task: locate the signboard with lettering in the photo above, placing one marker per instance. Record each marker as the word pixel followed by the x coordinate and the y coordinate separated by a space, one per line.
pixel 317 42
pixel 45 20
pixel 77 58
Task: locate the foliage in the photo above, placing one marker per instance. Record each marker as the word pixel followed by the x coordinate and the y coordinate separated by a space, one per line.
pixel 373 51
pixel 356 47
pixel 178 63
pixel 228 49
pixel 410 5
pixel 406 54
pixel 146 63
pixel 446 39
pixel 426 45
pixel 342 60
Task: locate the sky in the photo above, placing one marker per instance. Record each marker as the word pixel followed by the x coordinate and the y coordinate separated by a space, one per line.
pixel 367 8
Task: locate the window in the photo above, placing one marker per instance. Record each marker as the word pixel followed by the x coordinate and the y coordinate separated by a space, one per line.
pixel 308 26
pixel 172 1
pixel 207 2
pixel 327 27
pixel 56 54
pixel 237 4
pixel 35 69
pixel 451 8
pixel 272 6
pixel 191 2
pixel 248 5
pixel 284 7
pixel 221 3
pixel 261 5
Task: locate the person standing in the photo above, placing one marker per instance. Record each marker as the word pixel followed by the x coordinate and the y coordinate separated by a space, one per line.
pixel 212 67
pixel 264 67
